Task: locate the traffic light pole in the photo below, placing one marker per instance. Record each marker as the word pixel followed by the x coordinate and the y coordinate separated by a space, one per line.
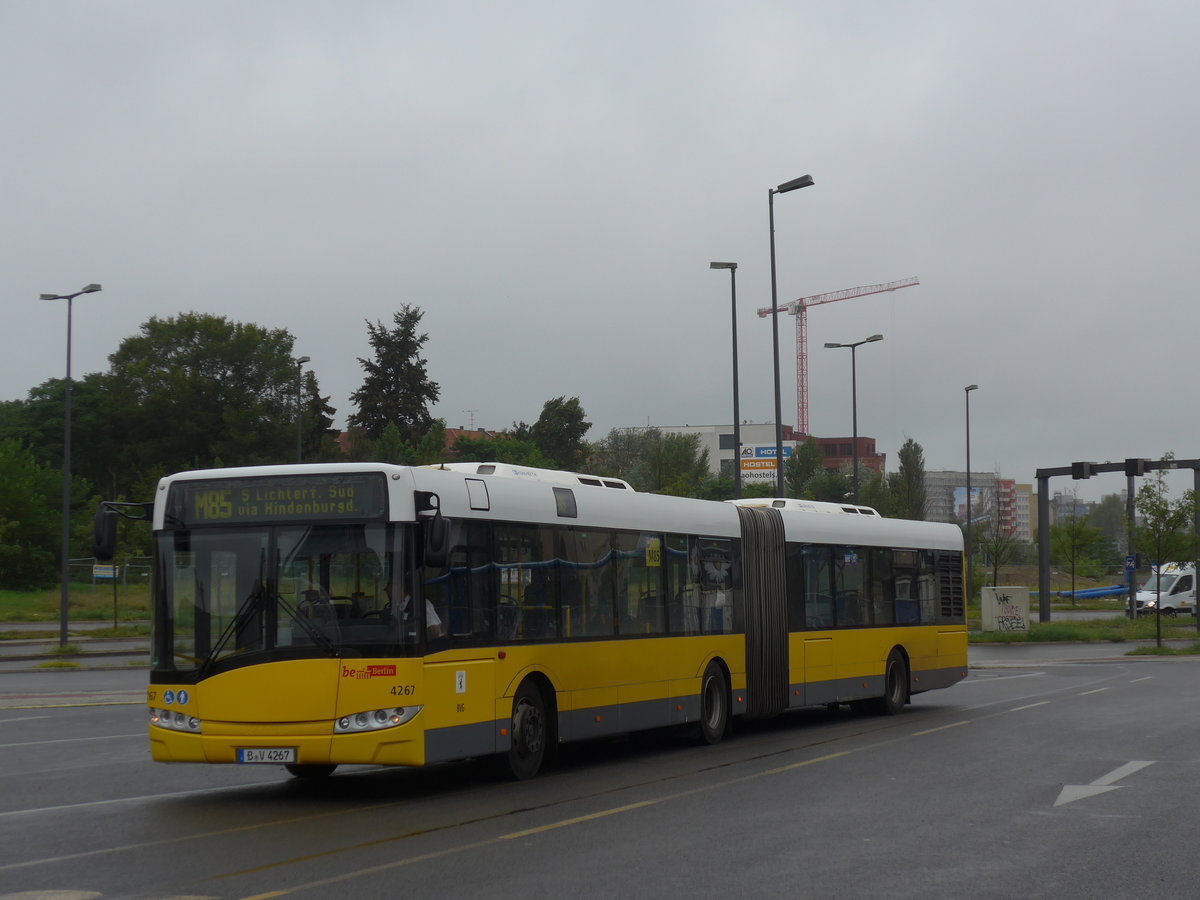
pixel 1080 470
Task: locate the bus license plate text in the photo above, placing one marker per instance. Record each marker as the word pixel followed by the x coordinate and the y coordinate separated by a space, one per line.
pixel 275 755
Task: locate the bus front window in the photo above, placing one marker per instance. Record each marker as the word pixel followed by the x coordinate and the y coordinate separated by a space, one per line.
pixel 234 596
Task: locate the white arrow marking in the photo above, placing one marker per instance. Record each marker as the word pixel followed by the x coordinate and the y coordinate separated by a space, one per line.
pixel 1073 792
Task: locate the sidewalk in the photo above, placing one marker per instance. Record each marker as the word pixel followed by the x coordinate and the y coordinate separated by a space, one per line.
pixel 33 654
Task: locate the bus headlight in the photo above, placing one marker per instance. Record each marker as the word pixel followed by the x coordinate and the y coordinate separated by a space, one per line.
pixel 175 720
pixel 375 719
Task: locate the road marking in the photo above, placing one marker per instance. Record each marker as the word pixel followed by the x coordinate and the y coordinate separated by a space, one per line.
pixel 1096 691
pixel 941 728
pixel 565 822
pixel 1143 678
pixel 99 737
pixel 807 762
pixel 1102 785
pixel 1029 706
pixel 22 719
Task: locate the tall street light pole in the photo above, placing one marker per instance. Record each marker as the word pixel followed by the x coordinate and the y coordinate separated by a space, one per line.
pixel 64 569
pixel 299 410
pixel 967 393
pixel 854 397
pixel 737 419
pixel 794 184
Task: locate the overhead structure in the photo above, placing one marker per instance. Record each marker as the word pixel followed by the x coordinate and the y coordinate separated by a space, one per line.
pixel 799 309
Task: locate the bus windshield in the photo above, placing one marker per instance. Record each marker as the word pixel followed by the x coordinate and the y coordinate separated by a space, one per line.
pixel 233 596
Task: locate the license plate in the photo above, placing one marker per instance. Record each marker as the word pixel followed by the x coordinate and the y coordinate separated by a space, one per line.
pixel 275 755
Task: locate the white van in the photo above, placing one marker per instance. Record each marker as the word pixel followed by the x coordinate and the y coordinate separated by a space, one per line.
pixel 1175 583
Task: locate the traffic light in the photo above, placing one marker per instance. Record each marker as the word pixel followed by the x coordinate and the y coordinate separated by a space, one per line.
pixel 1081 470
pixel 1135 467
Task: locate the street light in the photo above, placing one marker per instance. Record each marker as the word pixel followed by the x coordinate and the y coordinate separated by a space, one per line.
pixel 854 396
pixel 967 393
pixel 794 184
pixel 299 413
pixel 737 427
pixel 64 570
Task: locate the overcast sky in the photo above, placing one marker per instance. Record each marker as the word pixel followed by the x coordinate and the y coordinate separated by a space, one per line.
pixel 549 181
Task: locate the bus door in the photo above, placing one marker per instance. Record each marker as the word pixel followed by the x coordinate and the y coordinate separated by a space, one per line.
pixel 820 618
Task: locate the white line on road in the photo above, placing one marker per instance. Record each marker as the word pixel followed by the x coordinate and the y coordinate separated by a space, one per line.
pixel 1102 785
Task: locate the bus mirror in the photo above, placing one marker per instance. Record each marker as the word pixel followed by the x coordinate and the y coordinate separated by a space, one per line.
pixel 104 536
pixel 437 541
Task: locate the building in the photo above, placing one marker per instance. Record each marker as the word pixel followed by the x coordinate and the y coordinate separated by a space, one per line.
pixel 995 502
pixel 758 449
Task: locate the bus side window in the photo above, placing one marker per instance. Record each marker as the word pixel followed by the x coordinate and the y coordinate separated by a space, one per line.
pixel 883 588
pixel 678 587
pixel 818 587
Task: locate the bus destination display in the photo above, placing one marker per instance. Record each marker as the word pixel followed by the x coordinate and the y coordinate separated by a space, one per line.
pixel 293 498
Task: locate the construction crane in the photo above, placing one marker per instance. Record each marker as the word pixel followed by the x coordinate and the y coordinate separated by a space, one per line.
pixel 799 309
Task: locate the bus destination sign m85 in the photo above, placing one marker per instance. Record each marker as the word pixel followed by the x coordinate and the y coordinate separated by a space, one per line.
pixel 280 498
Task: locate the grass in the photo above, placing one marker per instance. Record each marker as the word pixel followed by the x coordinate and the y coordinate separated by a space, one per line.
pixel 86 603
pixel 1091 631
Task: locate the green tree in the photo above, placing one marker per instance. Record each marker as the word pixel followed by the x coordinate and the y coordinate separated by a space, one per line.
pixel 502 448
pixel 1000 547
pixel 831 485
pixel 30 527
pixel 800 469
pixel 655 462
pixel 1074 543
pixel 392 448
pixel 559 433
pixel 193 389
pixel 1165 531
pixel 396 387
pixel 317 421
pixel 908 483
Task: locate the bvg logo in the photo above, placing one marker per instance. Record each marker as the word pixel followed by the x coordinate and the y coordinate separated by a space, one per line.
pixel 369 672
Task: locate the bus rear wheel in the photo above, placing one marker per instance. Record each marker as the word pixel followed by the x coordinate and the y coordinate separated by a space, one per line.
pixel 530 733
pixel 895 686
pixel 714 705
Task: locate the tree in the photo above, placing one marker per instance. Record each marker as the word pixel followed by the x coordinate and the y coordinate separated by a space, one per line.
pixel 317 417
pixel 30 526
pixel 655 462
pixel 502 448
pixel 193 389
pixel 1165 531
pixel 396 387
pixel 558 433
pixel 908 484
pixel 799 469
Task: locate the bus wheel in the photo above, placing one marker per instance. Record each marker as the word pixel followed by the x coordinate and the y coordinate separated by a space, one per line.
pixel 895 686
pixel 530 732
pixel 714 705
pixel 311 771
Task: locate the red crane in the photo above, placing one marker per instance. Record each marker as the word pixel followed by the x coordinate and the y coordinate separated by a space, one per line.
pixel 799 309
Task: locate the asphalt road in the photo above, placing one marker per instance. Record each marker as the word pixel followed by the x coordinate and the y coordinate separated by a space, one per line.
pixel 1047 773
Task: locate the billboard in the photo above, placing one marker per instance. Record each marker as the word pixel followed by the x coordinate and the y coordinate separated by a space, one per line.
pixel 983 504
pixel 758 461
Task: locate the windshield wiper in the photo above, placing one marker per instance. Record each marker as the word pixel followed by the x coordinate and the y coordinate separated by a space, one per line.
pixel 318 636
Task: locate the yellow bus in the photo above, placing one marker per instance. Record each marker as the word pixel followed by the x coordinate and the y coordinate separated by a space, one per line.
pixel 317 615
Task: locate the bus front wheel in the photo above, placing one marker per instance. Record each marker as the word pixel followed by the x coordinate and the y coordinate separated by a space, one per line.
pixel 311 770
pixel 530 733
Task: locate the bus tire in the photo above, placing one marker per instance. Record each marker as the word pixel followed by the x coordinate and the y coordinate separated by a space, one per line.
pixel 530 733
pixel 714 705
pixel 310 771
pixel 895 686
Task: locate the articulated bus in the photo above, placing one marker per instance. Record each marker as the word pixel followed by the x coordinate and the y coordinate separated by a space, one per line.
pixel 317 615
